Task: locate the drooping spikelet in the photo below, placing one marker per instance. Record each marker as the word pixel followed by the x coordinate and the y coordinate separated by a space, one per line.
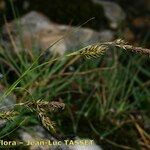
pixel 46 121
pixel 42 109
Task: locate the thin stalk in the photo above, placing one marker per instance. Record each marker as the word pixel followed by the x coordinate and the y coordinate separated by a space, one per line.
pixel 12 87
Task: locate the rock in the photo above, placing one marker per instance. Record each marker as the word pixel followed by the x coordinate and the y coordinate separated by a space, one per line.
pixel 92 146
pixel 32 137
pixel 88 147
pixel 1 76
pixel 38 134
pixel 2 122
pixel 37 30
pixel 113 12
pixel 106 35
pixel 85 36
pixel 27 137
pixel 7 103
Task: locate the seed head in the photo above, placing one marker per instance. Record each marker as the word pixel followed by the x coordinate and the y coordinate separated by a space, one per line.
pixel 93 50
pixel 46 121
pixel 8 114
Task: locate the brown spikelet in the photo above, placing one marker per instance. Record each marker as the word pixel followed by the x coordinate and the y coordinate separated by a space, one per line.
pixel 46 105
pixel 46 121
pixel 93 51
pixel 122 44
pixel 140 50
pixel 56 105
pixel 8 114
pixel 42 108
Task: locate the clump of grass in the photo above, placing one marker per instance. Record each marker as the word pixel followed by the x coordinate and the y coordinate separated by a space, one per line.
pixel 90 51
pixel 44 82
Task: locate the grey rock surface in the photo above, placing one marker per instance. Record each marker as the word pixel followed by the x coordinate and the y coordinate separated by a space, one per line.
pixel 1 76
pixel 93 146
pixel 8 103
pixel 40 134
pixel 36 29
pixel 112 11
